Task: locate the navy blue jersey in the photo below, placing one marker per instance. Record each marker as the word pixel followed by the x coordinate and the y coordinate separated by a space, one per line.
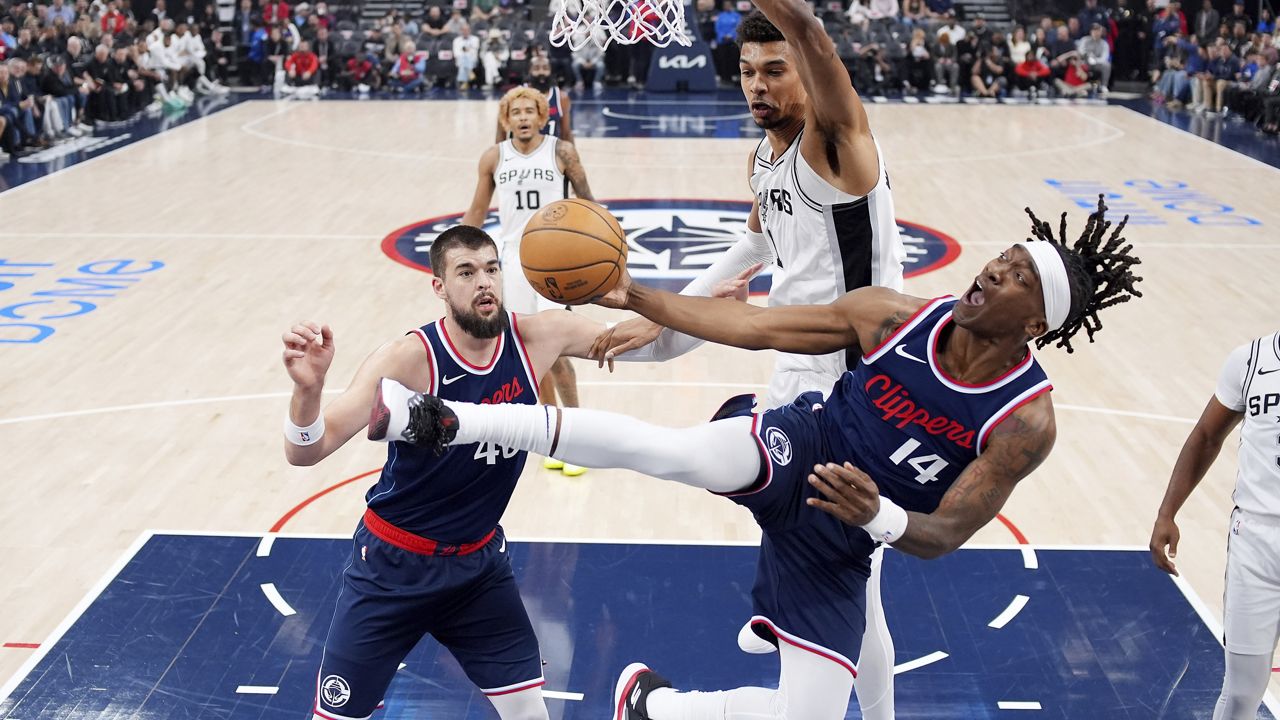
pixel 912 428
pixel 555 112
pixel 458 497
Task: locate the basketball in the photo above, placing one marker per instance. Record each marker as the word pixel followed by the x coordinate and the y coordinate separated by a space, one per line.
pixel 573 251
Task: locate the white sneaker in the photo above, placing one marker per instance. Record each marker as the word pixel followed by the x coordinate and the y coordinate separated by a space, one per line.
pixel 362 88
pixel 390 416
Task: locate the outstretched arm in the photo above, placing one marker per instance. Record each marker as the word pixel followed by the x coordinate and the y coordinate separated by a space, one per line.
pixel 1016 448
pixel 571 166
pixel 842 150
pixel 484 189
pixel 805 329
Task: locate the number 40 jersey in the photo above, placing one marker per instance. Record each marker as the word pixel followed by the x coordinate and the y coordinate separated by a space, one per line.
pixel 458 497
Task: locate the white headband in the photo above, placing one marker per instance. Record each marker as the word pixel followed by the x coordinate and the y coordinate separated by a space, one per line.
pixel 1053 281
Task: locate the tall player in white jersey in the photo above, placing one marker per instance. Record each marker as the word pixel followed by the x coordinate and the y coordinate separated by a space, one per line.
pixel 823 217
pixel 529 170
pixel 1249 390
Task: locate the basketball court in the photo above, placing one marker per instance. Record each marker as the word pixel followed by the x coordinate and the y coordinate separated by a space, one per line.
pixel 164 561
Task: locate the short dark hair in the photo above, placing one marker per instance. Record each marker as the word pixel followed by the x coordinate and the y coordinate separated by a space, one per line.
pixel 458 236
pixel 756 28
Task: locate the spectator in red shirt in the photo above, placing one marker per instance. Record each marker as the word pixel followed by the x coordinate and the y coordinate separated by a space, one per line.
pixel 275 12
pixel 302 67
pixel 113 21
pixel 1075 82
pixel 359 75
pixel 1031 74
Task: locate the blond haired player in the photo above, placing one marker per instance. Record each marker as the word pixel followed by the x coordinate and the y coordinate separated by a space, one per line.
pixel 1249 390
pixel 529 170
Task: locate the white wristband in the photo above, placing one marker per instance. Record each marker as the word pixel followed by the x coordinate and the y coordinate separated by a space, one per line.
pixel 303 436
pixel 889 524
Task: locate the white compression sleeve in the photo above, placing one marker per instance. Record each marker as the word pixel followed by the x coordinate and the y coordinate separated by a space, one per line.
pixel 751 249
pixel 523 705
pixel 720 456
pixel 1243 686
pixel 811 687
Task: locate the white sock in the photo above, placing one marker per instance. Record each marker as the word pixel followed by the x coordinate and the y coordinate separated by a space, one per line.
pixel 524 427
pixel 720 456
pixel 749 703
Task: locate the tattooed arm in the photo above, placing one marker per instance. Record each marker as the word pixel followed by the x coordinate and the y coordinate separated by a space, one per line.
pixel 871 313
pixel 571 166
pixel 1016 448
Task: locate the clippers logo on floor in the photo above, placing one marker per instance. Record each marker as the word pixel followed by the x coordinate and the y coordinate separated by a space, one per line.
pixel 671 241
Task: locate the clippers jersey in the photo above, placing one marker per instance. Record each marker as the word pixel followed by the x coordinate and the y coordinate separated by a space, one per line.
pixel 555 113
pixel 1250 384
pixel 909 426
pixel 826 243
pixel 525 184
pixel 459 496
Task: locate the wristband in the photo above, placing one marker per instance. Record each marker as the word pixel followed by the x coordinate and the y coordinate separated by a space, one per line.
pixel 889 524
pixel 303 436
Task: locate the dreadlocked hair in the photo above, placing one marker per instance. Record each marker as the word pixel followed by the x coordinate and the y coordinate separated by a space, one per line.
pixel 1100 273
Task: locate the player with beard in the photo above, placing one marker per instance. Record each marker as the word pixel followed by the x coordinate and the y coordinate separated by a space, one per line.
pixel 558 103
pixel 918 446
pixel 429 556
pixel 823 217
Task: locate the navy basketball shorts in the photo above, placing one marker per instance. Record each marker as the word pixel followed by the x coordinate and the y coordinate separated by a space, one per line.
pixel 391 597
pixel 811 578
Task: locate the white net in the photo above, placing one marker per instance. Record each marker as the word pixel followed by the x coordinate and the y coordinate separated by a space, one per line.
pixel 577 23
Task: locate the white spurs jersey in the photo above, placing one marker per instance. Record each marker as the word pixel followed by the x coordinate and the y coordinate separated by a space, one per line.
pixel 1250 384
pixel 826 243
pixel 525 184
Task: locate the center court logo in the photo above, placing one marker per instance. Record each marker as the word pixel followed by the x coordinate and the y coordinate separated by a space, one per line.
pixel 335 691
pixel 671 241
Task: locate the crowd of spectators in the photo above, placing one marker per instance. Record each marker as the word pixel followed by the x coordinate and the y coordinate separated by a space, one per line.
pixel 66 65
pixel 65 68
pixel 1217 65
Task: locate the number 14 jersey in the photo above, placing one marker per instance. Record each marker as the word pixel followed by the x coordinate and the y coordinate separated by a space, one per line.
pixel 910 426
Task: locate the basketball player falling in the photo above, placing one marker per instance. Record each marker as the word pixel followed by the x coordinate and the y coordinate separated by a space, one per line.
pixel 1247 390
pixel 918 446
pixel 429 556
pixel 823 215
pixel 529 171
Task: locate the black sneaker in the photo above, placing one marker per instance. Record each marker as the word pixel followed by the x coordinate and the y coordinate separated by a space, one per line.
pixel 631 694
pixel 400 414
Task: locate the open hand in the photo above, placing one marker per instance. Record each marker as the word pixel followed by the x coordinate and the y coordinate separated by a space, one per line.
pixel 634 333
pixel 617 297
pixel 308 351
pixel 853 495
pixel 737 287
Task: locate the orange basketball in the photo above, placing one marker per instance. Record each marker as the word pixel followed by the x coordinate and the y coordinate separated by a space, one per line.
pixel 573 251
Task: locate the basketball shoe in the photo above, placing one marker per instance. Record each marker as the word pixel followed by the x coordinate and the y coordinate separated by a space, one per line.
pixel 631 694
pixel 400 414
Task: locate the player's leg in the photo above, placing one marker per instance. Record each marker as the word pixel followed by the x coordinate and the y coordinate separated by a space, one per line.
pixel 370 634
pixel 810 687
pixel 1251 614
pixel 488 631
pixel 720 456
pixel 874 684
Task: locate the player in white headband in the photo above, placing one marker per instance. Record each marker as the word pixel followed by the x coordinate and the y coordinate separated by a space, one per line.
pixel 918 445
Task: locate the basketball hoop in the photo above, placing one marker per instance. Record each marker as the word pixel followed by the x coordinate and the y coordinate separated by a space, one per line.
pixel 626 22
